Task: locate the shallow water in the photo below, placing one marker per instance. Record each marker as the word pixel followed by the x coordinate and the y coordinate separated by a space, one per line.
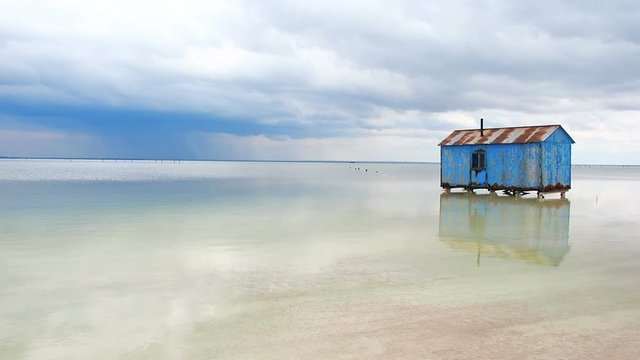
pixel 204 260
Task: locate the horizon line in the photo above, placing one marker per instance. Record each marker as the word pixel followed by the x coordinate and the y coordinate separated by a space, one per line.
pixel 208 160
pixel 257 160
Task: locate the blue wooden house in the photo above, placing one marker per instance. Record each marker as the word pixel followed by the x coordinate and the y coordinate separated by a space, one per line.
pixel 515 160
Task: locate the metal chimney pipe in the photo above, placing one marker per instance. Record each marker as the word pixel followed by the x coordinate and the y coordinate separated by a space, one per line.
pixel 481 127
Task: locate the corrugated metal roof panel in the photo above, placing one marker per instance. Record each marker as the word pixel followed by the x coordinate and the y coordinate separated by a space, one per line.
pixel 511 135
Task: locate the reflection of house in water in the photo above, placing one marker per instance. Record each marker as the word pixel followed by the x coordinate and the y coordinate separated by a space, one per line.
pixel 529 230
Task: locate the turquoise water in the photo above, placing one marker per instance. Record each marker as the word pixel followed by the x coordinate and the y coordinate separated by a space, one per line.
pixel 208 260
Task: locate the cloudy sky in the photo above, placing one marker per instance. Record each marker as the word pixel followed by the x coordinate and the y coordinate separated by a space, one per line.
pixel 319 80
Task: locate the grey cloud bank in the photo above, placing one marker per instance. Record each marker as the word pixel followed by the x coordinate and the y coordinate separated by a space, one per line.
pixel 390 79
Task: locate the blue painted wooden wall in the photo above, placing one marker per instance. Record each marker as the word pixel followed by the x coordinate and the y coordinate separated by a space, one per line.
pixel 532 166
pixel 556 157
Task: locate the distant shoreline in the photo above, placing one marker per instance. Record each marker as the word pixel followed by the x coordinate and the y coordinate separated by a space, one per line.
pixel 276 161
pixel 218 160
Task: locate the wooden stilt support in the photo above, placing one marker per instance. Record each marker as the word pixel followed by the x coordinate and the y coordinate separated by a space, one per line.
pixel 563 195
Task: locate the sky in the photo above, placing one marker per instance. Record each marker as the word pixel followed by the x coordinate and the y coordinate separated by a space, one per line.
pixel 313 80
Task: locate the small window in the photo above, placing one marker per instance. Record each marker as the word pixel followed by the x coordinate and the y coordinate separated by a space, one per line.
pixel 479 160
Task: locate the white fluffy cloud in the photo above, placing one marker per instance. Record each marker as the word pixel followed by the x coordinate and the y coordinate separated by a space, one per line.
pixel 358 67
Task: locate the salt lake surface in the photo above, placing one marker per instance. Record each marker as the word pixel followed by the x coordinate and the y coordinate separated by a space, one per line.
pixel 227 260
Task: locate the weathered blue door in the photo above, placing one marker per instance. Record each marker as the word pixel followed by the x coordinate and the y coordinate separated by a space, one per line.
pixel 479 177
pixel 479 168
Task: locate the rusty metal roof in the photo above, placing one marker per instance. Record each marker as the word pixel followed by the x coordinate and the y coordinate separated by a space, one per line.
pixel 507 135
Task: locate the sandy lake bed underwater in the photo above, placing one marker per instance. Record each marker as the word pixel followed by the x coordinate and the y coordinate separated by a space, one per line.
pixel 242 260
